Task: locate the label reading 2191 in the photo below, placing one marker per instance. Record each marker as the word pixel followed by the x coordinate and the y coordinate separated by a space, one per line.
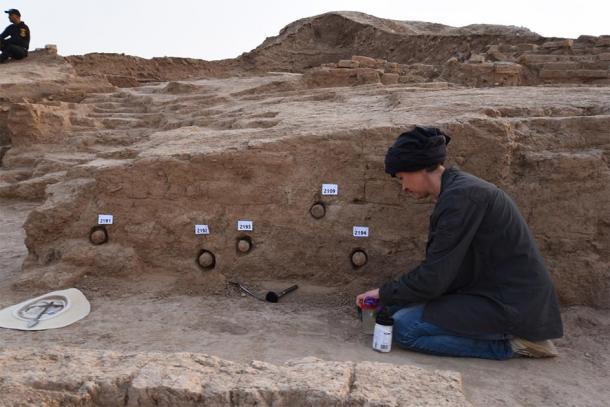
pixel 105 219
pixel 330 189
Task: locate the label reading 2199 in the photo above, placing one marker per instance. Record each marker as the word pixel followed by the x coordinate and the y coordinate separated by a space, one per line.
pixel 245 225
pixel 330 189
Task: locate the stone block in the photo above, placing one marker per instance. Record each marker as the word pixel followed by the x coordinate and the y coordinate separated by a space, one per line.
pixel 329 77
pixel 554 74
pixel 531 59
pixel 389 78
pixel 604 56
pixel 566 43
pixel 574 74
pixel 603 65
pixel 508 68
pixel 65 376
pixel 586 38
pixel 476 59
pixel 392 67
pixel 365 62
pixel 122 81
pixel 367 76
pixel 590 73
pixel 526 47
pixel 603 41
pixel 348 63
pixel 561 65
pixel 494 54
pixel 51 49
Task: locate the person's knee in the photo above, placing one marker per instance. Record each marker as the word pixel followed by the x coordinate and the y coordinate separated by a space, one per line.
pixel 406 323
pixel 408 314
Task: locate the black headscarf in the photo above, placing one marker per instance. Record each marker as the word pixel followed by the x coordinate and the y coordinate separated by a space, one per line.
pixel 417 149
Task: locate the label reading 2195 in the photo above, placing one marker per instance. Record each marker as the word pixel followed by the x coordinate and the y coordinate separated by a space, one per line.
pixel 330 189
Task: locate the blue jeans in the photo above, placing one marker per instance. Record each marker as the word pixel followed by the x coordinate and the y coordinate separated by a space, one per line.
pixel 412 333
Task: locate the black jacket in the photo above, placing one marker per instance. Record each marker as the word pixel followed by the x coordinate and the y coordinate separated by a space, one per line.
pixel 483 273
pixel 19 33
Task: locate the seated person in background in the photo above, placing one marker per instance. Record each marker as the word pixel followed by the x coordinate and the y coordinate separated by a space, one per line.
pixel 15 39
pixel 483 290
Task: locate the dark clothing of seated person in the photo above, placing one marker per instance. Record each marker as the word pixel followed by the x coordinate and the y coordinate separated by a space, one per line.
pixel 483 289
pixel 15 39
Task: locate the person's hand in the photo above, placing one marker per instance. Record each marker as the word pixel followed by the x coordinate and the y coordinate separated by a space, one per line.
pixel 372 293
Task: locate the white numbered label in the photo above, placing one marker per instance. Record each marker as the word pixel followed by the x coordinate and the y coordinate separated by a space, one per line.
pixel 361 231
pixel 245 225
pixel 202 230
pixel 105 219
pixel 330 189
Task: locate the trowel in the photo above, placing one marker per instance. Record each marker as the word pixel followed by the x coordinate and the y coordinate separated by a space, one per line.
pixel 246 290
pixel 275 297
pixel 271 296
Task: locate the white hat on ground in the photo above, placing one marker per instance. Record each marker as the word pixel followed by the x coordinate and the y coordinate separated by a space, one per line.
pixel 53 310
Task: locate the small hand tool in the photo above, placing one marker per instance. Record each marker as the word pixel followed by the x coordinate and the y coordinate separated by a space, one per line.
pixel 275 297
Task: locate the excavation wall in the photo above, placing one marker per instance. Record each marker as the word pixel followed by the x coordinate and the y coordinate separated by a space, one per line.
pixel 164 158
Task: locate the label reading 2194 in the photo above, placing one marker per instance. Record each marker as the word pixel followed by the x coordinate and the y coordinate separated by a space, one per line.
pixel 330 189
pixel 360 231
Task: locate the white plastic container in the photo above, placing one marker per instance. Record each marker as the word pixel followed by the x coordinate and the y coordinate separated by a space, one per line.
pixel 382 336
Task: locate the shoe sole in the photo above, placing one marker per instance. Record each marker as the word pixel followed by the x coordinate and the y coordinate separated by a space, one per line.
pixel 535 350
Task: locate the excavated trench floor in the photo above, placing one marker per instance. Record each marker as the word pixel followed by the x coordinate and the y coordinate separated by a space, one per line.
pixel 138 316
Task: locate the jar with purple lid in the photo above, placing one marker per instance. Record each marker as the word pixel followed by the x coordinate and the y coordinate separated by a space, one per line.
pixel 369 310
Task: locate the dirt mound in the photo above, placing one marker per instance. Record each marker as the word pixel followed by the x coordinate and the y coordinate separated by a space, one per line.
pixel 44 74
pixel 410 27
pixel 475 55
pixel 126 71
pixel 333 36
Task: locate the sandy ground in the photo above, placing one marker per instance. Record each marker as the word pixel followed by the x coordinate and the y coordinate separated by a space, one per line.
pixel 139 316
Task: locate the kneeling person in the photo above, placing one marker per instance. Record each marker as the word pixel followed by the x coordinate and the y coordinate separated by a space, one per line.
pixel 483 289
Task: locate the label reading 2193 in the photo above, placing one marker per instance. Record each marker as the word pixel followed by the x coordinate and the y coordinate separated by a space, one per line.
pixel 202 230
pixel 330 189
pixel 245 225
